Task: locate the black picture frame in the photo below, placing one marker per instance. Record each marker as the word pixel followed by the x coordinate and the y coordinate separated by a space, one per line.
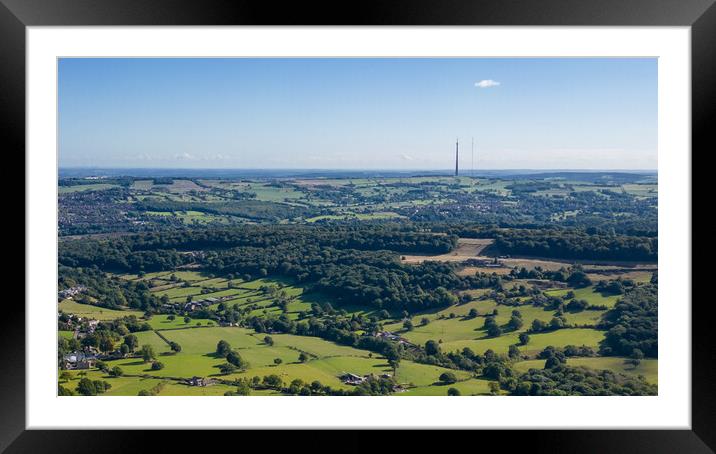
pixel 700 15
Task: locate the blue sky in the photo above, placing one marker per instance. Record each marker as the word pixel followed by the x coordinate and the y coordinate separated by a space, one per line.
pixel 361 113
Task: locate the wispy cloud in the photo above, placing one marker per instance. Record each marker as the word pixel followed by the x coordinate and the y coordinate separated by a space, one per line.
pixel 406 157
pixel 185 156
pixel 144 157
pixel 487 83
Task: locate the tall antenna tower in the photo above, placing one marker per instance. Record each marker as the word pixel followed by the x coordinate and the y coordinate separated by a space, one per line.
pixel 457 147
pixel 472 158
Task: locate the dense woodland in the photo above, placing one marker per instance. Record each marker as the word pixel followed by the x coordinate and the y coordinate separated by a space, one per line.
pixel 353 264
pixel 562 380
pixel 562 243
pixel 633 324
pixel 350 263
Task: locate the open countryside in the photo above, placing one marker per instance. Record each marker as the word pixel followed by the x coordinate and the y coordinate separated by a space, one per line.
pixel 461 308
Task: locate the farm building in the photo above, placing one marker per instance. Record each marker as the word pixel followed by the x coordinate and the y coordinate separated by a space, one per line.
pixel 72 291
pixel 79 360
pixel 92 325
pixel 193 305
pixel 393 337
pixel 387 335
pixel 351 379
pixel 200 381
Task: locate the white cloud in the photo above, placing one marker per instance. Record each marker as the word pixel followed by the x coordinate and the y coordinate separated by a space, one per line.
pixel 406 157
pixel 487 83
pixel 185 156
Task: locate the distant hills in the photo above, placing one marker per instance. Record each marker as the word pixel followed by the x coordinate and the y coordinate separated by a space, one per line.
pixel 579 175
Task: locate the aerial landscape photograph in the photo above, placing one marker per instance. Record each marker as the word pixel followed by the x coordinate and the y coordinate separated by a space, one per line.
pixel 357 227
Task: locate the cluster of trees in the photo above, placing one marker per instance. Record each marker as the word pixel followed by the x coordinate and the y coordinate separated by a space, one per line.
pixel 121 181
pixel 562 353
pixel 633 323
pixel 557 322
pixel 86 387
pixel 373 278
pixel 153 391
pixel 614 286
pixel 489 364
pixel 370 278
pixel 160 250
pixel 367 237
pixel 337 328
pixel 557 379
pixel 585 243
pixel 372 386
pixel 234 361
pixel 104 291
pixel 576 244
pixel 573 275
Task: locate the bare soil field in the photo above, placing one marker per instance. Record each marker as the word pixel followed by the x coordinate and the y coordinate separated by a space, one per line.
pixel 472 248
pixel 311 183
pixel 591 266
pixel 467 248
pixel 638 276
pixel 181 186
pixel 471 270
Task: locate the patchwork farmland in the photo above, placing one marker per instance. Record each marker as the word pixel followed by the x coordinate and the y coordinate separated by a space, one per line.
pixel 359 286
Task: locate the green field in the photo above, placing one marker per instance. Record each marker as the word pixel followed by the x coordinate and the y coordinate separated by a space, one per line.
pixel 162 322
pixel 85 187
pixel 462 331
pixel 324 370
pixel 538 342
pixel 121 386
pixel 190 276
pixel 151 338
pixel 96 312
pixel 649 368
pixel 357 216
pixel 589 295
pixel 327 361
pixel 470 387
pixel 204 340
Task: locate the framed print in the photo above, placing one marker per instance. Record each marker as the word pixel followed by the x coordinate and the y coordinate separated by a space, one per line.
pixel 416 217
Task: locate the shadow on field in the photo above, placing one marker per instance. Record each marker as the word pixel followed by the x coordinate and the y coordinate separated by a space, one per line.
pixel 134 363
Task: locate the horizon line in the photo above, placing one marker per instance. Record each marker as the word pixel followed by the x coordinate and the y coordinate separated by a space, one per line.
pixel 353 169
